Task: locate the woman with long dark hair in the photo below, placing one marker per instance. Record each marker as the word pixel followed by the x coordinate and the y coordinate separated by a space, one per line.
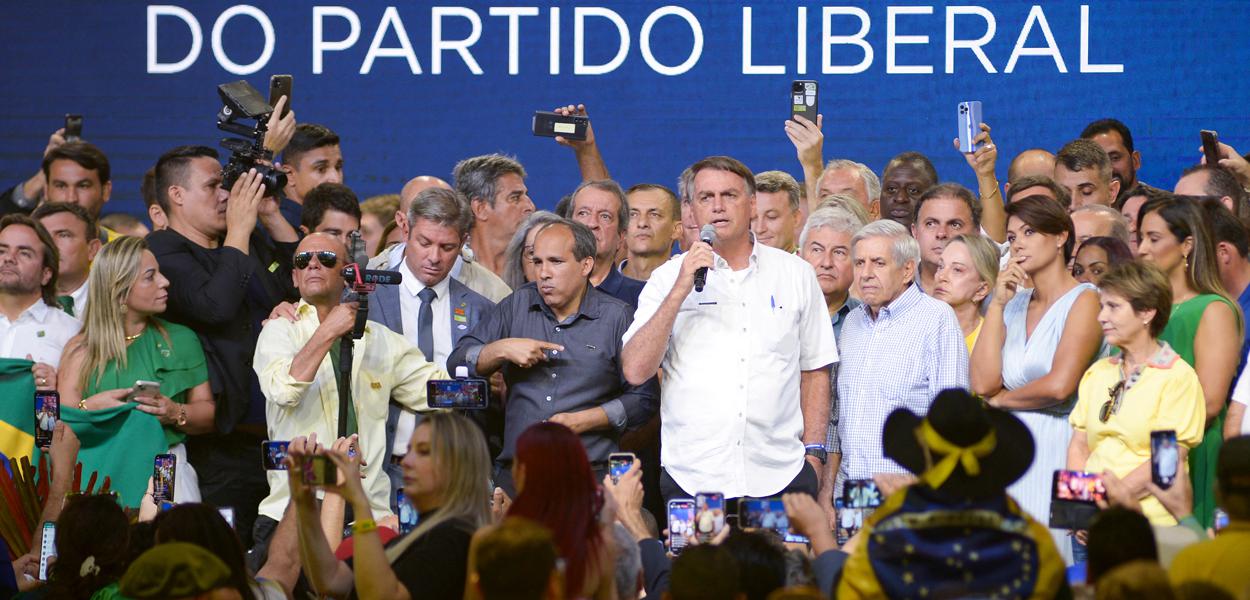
pixel 203 525
pixel 556 488
pixel 1205 328
pixel 92 549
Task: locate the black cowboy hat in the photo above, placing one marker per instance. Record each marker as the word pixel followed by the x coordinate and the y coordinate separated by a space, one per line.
pixel 963 421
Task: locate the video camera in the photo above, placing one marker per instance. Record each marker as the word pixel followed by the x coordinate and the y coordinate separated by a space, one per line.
pixel 242 101
pixel 361 281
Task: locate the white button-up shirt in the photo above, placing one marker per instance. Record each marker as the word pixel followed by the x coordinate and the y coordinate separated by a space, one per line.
pixel 409 309
pixel 41 331
pixel 730 410
pixel 384 366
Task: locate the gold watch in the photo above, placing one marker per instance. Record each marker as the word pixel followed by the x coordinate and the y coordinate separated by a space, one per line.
pixel 182 415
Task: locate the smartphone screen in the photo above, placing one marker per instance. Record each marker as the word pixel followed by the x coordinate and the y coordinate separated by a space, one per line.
pixel 1211 146
pixel 804 99
pixel 227 513
pixel 1164 456
pixel 163 467
pixel 860 497
pixel 319 471
pixel 618 464
pixel 47 548
pixel 407 512
pixel 969 125
pixel 1076 486
pixel 709 514
pixel 273 455
pixel 457 393
pixel 680 523
pixel 767 513
pixel 47 413
pixel 1221 519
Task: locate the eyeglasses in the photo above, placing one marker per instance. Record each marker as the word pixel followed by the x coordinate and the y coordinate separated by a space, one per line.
pixel 1115 394
pixel 327 258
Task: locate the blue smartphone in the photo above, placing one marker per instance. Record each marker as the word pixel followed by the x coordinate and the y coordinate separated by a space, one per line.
pixel 969 125
pixel 407 512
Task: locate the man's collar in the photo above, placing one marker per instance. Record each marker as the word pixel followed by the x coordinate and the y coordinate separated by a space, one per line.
pixel 752 260
pixel 413 286
pixel 910 297
pixel 37 311
pixel 589 307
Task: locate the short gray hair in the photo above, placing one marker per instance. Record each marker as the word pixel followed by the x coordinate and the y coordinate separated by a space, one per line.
pixel 837 219
pixel 772 182
pixel 475 177
pixel 611 187
pixel 685 186
pixel 444 207
pixel 628 562
pixel 514 256
pixel 584 244
pixel 846 203
pixel 1119 225
pixel 871 181
pixel 905 248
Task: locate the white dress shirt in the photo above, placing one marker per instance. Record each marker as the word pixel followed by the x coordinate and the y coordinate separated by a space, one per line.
pixel 409 308
pixel 80 300
pixel 731 415
pixel 40 331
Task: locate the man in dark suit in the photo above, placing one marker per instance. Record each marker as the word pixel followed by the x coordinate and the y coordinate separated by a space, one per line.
pixel 225 276
pixel 430 307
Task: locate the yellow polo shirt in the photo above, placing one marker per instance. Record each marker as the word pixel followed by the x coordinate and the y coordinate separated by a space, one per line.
pixel 385 366
pixel 1167 395
pixel 1224 561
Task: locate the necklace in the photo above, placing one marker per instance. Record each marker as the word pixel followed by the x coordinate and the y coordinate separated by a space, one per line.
pixel 131 338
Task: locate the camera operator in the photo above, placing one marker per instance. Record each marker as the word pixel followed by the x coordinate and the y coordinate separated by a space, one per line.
pixel 225 276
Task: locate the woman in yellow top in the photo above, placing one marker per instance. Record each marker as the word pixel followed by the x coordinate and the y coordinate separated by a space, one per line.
pixel 965 277
pixel 1148 387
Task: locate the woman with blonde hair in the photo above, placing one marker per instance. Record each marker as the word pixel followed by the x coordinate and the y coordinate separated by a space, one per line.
pixel 121 423
pixel 446 478
pixel 966 274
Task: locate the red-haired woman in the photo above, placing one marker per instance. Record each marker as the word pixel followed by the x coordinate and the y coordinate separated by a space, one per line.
pixel 556 488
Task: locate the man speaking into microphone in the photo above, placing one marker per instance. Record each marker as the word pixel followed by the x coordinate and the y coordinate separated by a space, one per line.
pixel 745 397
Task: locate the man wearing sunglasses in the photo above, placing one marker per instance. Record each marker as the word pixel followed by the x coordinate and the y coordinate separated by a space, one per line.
pixel 297 363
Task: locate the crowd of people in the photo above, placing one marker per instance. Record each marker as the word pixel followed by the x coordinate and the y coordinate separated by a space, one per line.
pixel 816 342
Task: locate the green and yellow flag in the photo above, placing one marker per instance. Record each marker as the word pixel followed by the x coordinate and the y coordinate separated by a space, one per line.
pixel 17 408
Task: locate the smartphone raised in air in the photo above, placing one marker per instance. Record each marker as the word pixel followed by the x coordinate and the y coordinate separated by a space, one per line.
pixel 273 455
pixel 969 125
pixel 47 548
pixel 319 471
pixel 680 523
pixel 1211 146
pixel 457 393
pixel 1164 457
pixel 279 86
pixel 804 99
pixel 73 128
pixel 709 514
pixel 164 468
pixel 47 413
pixel 618 464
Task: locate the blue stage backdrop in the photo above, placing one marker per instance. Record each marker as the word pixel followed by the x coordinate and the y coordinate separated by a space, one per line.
pixel 412 87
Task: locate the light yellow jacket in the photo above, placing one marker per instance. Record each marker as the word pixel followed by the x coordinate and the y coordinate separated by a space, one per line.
pixel 385 365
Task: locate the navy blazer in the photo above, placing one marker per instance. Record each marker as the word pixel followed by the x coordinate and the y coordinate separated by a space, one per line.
pixel 467 307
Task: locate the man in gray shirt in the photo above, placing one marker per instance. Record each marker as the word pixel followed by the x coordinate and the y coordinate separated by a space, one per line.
pixel 558 342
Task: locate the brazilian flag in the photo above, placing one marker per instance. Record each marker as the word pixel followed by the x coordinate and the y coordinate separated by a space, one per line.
pixel 17 409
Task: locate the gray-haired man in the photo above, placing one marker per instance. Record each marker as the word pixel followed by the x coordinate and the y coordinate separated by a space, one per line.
pixel 494 186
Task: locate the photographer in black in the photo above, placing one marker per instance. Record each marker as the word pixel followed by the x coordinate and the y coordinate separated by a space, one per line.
pixel 226 274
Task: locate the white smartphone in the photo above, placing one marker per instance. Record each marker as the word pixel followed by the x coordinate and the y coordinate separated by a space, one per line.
pixel 144 389
pixel 47 548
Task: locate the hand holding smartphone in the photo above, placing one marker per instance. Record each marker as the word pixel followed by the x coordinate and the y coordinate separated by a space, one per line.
pixel 144 389
pixel 680 523
pixel 969 125
pixel 1211 146
pixel 279 86
pixel 1164 458
pixel 73 128
pixel 319 471
pixel 804 99
pixel 164 468
pixel 618 464
pixel 47 413
pixel 47 548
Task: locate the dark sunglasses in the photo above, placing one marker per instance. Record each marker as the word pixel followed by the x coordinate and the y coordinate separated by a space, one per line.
pixel 1115 394
pixel 328 259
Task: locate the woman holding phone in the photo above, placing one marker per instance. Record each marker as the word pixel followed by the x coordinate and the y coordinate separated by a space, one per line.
pixel 446 476
pixel 1039 336
pixel 1146 388
pixel 131 384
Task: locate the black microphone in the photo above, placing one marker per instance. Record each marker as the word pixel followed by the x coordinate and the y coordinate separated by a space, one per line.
pixel 707 235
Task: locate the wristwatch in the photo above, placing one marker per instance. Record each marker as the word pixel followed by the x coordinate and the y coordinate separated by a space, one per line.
pixel 182 417
pixel 817 450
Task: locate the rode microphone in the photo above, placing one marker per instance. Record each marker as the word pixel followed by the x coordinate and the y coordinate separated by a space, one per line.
pixel 707 235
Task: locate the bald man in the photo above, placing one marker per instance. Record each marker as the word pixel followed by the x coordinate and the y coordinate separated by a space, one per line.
pixel 415 186
pixel 297 365
pixel 1034 162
